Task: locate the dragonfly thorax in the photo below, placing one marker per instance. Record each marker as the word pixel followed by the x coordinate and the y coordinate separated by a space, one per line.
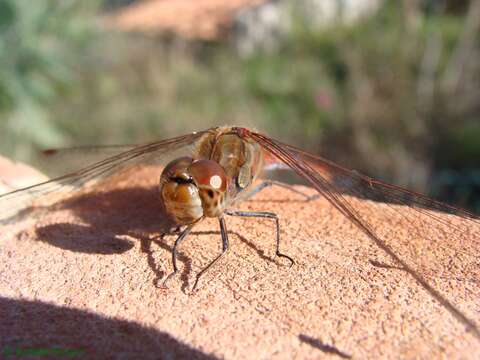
pixel 241 159
pixel 193 189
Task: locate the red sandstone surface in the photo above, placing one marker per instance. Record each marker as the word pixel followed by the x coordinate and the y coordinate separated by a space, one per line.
pixel 82 277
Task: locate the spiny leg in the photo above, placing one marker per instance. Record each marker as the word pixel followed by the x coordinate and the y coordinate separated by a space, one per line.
pixel 269 215
pixel 180 238
pixel 268 183
pixel 223 232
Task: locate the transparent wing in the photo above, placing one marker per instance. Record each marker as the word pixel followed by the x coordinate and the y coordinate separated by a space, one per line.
pixel 425 238
pixel 57 189
pixel 86 149
pixel 59 161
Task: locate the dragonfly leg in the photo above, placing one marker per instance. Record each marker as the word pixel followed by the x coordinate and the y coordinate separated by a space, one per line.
pixel 223 232
pixel 268 215
pixel 267 183
pixel 180 238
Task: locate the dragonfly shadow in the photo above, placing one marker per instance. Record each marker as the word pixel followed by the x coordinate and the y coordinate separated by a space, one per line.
pixel 104 218
pixel 81 238
pixel 329 349
pixel 146 247
pixel 242 238
pixel 251 245
pixel 146 243
pixel 385 266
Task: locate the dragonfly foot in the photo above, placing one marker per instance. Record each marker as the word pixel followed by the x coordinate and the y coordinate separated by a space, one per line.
pixel 167 279
pixel 291 261
pixel 195 284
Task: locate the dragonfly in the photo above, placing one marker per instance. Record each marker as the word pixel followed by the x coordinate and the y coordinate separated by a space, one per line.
pixel 209 173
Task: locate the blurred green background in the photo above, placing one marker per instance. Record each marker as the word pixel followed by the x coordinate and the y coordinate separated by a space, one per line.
pixel 394 94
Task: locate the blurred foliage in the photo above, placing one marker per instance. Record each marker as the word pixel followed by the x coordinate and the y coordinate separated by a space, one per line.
pixel 115 4
pixel 384 95
pixel 40 42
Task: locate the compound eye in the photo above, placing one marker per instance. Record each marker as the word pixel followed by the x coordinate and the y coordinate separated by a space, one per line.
pixel 176 171
pixel 177 166
pixel 208 173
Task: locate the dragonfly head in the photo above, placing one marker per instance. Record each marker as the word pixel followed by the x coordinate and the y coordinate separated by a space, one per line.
pixel 192 189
